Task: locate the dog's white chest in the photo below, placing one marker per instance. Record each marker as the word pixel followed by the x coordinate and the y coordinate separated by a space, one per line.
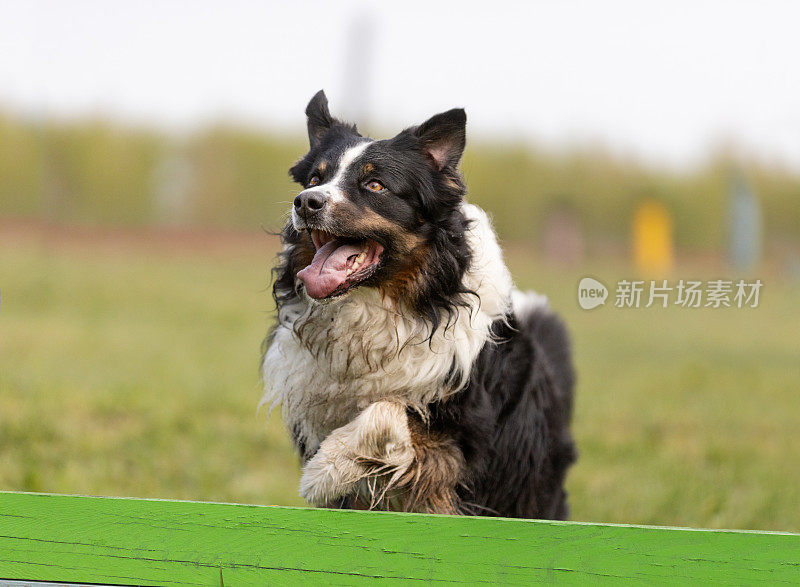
pixel 341 359
pixel 313 401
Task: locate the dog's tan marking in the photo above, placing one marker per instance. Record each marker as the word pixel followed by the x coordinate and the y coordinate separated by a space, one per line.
pixel 429 485
pixel 348 218
pixel 453 183
pixel 407 280
pixel 366 221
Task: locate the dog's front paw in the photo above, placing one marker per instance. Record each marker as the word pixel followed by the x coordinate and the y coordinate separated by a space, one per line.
pixel 376 443
pixel 330 474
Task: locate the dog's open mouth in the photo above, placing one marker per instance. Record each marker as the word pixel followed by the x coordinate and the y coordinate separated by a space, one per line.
pixel 339 264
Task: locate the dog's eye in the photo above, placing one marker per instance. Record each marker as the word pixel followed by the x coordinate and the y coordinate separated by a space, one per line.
pixel 313 181
pixel 375 186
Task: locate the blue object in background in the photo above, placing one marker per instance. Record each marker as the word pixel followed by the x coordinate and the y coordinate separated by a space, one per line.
pixel 745 225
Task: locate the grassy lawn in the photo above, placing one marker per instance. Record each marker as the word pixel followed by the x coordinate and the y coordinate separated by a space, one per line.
pixel 132 370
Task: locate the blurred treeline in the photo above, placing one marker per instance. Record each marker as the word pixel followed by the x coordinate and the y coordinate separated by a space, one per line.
pixel 97 172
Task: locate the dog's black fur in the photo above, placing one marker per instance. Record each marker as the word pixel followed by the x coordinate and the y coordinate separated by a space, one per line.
pixel 512 421
pixel 509 425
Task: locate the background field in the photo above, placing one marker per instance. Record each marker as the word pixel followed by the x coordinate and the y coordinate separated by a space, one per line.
pixel 95 171
pixel 129 367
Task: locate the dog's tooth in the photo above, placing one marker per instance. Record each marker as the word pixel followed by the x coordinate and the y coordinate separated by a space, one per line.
pixel 349 271
pixel 361 257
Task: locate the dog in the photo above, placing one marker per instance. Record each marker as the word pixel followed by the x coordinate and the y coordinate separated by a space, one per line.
pixel 411 373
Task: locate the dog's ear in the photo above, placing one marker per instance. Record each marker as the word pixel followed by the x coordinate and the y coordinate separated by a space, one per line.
pixel 443 137
pixel 320 120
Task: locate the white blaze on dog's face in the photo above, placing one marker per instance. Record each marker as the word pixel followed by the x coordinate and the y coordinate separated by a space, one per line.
pixel 342 259
pixel 376 213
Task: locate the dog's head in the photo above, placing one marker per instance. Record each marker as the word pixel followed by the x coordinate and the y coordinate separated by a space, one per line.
pixel 378 213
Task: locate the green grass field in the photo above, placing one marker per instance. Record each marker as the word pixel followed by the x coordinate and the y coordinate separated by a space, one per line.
pixel 131 369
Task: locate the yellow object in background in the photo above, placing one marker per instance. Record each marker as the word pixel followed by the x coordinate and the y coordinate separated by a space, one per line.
pixel 653 248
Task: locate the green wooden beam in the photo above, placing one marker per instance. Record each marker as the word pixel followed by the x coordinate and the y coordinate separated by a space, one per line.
pixel 151 542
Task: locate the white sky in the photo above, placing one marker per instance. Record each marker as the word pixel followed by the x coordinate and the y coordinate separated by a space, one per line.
pixel 660 80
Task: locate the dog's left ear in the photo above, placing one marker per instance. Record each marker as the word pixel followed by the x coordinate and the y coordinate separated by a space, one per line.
pixel 320 120
pixel 443 137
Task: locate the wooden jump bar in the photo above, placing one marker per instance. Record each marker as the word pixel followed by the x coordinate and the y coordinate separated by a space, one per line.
pixel 61 538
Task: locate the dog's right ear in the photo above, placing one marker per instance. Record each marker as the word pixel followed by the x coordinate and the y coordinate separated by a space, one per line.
pixel 319 118
pixel 443 137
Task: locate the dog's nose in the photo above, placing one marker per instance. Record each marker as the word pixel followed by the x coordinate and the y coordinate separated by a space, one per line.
pixel 310 201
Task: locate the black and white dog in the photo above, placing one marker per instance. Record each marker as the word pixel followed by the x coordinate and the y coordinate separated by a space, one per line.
pixel 411 373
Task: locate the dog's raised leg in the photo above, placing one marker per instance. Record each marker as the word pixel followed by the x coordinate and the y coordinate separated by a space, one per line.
pixel 392 453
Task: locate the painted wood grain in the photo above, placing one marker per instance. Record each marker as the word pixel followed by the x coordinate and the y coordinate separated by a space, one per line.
pixel 150 542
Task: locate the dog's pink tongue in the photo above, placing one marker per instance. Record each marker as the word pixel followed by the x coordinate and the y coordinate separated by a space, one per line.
pixel 328 269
